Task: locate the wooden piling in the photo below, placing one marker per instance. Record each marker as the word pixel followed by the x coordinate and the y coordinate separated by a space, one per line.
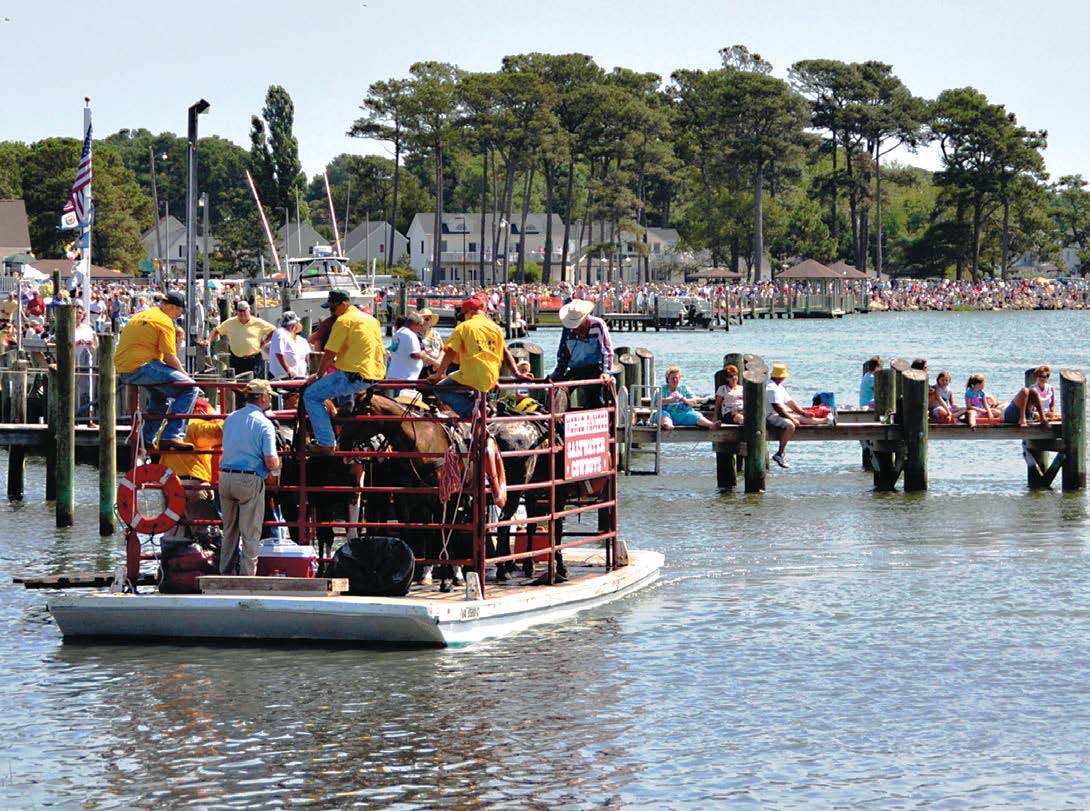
pixel 881 454
pixel 754 430
pixel 899 367
pixel 402 301
pixel 735 359
pixel 66 414
pixel 647 361
pixel 726 471
pixel 1073 428
pixel 630 376
pixel 17 453
pixel 1038 459
pixel 508 314
pixel 107 432
pixel 915 428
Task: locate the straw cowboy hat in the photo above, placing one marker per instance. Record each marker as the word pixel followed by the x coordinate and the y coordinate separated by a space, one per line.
pixel 575 312
pixel 428 316
pixel 779 371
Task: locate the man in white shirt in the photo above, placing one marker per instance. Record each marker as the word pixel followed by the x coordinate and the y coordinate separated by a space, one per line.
pixel 409 356
pixel 783 413
pixel 289 351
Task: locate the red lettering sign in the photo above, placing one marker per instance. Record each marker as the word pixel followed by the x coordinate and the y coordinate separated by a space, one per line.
pixel 586 443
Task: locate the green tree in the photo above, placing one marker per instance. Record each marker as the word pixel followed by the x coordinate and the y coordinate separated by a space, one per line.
pixel 386 114
pixel 12 157
pixel 274 151
pixel 1070 211
pixel 122 210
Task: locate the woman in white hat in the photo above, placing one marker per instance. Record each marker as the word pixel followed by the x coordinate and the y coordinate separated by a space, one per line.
pixel 585 351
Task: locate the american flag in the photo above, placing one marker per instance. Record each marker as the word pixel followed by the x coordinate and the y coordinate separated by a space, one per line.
pixel 75 210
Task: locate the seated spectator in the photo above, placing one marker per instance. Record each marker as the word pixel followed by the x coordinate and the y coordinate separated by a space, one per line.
pixel 677 403
pixel 729 399
pixel 979 403
pixel 783 413
pixel 941 401
pixel 1032 399
pixel 866 385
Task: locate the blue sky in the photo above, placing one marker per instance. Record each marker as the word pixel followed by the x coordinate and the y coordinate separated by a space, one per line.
pixel 143 69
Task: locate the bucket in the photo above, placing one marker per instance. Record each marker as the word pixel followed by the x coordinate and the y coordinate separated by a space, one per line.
pixel 287 559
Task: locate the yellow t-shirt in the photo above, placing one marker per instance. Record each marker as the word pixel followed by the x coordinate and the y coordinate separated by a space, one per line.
pixel 478 347
pixel 205 435
pixel 148 336
pixel 245 339
pixel 356 337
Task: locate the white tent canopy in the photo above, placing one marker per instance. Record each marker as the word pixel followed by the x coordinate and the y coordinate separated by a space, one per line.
pixel 32 274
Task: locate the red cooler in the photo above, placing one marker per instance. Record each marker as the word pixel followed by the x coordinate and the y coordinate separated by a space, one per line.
pixel 286 559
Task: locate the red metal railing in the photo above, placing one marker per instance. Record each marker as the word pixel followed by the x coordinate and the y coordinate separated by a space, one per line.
pixel 553 488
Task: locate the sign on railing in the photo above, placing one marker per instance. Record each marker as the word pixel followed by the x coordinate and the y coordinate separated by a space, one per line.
pixel 586 443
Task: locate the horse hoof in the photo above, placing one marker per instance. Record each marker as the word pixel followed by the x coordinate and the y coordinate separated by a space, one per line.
pixel 528 570
pixel 445 586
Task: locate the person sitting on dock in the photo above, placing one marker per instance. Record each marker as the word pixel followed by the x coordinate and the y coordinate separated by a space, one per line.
pixel 729 401
pixel 249 457
pixel 355 353
pixel 978 403
pixel 677 403
pixel 941 401
pixel 783 413
pixel 147 355
pixel 866 385
pixel 478 347
pixel 585 351
pixel 1029 400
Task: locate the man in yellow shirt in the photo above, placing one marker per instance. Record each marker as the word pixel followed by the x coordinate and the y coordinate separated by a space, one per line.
pixel 355 352
pixel 147 356
pixel 477 346
pixel 246 335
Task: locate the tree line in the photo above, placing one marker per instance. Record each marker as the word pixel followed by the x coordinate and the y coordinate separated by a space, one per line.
pixel 744 164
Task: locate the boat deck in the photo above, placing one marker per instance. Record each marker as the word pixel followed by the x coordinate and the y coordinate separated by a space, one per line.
pixel 425 617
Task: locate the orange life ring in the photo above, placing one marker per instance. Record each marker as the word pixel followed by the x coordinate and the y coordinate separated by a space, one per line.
pixel 133 482
pixel 497 474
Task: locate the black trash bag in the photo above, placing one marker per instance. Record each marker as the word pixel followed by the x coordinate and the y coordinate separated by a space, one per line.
pixel 375 566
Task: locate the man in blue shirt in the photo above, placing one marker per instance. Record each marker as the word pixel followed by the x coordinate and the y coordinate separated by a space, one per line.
pixel 585 351
pixel 249 457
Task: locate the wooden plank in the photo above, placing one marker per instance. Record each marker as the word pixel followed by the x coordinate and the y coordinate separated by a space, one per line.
pixel 312 586
pixel 35 435
pixel 76 580
pixel 873 431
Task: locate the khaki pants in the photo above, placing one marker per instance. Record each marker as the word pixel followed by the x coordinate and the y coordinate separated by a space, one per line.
pixel 242 499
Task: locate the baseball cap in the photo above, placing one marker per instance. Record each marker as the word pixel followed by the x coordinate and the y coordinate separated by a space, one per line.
pixel 258 387
pixel 177 299
pixel 472 305
pixel 242 305
pixel 288 318
pixel 336 297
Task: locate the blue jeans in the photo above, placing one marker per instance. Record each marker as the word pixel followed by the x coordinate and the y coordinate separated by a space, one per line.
pixel 333 386
pixel 183 399
pixel 463 400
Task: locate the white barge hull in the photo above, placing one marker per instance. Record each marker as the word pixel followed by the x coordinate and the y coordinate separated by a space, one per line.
pixel 428 619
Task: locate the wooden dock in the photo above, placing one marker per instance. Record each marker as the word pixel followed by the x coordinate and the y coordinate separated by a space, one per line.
pixel 892 446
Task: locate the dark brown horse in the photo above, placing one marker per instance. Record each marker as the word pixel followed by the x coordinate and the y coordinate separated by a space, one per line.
pixel 408 436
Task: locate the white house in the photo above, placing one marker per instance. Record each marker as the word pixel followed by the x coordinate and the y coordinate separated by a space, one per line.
pixel 172 238
pixel 662 254
pixel 367 241
pixel 462 248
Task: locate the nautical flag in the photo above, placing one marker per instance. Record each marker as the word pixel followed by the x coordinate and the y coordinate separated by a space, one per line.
pixel 76 213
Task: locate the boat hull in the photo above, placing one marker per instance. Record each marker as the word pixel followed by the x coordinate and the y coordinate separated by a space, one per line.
pixel 402 620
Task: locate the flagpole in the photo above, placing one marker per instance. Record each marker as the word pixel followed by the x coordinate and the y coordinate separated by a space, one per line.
pixel 85 233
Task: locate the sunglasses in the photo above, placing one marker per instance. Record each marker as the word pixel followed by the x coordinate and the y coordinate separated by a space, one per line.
pixel 1044 377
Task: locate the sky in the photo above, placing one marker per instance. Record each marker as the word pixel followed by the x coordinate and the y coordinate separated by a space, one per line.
pixel 143 68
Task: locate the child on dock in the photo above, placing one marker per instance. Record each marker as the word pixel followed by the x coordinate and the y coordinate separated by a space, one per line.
pixel 941 401
pixel 979 403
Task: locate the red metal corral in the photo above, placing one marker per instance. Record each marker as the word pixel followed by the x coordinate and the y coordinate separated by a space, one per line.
pixel 565 496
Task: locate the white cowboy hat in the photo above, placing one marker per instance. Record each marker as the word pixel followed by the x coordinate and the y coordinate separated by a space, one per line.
pixel 575 312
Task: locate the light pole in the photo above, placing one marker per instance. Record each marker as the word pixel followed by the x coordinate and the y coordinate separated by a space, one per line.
pixel 191 233
pixel 155 199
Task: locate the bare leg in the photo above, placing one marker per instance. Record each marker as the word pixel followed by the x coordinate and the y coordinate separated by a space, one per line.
pixel 1020 402
pixel 786 433
pixel 970 417
pixel 1033 399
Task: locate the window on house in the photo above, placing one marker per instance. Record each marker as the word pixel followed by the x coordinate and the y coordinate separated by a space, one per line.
pixel 472 248
pixel 421 246
pixel 630 247
pixel 443 245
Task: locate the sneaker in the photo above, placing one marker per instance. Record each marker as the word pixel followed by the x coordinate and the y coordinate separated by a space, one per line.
pixel 175 445
pixel 780 459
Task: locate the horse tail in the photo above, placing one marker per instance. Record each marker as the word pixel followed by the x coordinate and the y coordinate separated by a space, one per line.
pixel 497 474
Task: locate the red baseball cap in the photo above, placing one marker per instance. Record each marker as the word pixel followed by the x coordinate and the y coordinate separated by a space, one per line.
pixel 472 305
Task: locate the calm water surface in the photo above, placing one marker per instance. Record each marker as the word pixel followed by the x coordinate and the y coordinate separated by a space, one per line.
pixel 820 645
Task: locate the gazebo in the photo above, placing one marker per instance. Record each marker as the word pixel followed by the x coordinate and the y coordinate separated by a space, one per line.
pixel 809 270
pixel 847 271
pixel 715 274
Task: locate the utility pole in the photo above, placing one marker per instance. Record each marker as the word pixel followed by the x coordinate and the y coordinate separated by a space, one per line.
pixel 191 233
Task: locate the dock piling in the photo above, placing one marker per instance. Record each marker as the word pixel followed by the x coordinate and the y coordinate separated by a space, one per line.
pixel 107 432
pixel 66 414
pixel 17 453
pixel 754 430
pixel 1073 428
pixel 915 428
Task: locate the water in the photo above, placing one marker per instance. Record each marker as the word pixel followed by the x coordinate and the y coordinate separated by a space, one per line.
pixel 821 645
